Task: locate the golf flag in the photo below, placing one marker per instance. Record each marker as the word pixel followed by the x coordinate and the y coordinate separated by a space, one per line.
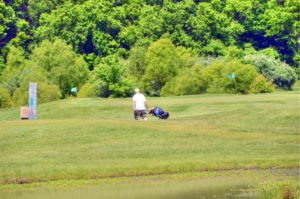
pixel 231 76
pixel 32 100
pixel 74 90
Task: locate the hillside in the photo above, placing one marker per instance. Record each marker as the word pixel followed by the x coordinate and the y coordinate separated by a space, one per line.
pixel 107 48
pixel 97 138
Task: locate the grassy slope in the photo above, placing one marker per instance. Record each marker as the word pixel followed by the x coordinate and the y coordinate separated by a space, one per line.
pixel 94 138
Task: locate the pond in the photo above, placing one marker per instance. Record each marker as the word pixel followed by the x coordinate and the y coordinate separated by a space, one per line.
pixel 186 190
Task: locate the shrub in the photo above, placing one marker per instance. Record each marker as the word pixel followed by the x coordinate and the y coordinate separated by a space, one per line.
pixel 275 71
pixel 217 81
pixel 296 86
pixel 48 93
pixel 187 82
pixel 97 89
pixel 122 89
pixel 212 75
pixel 101 88
pixel 261 85
pixel 244 76
pixel 5 99
pixel 45 93
pixel 297 70
pixel 87 90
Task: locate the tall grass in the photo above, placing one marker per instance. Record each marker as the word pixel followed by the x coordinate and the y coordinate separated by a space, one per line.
pixel 284 190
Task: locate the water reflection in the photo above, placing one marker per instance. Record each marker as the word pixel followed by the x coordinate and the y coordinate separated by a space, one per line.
pixel 187 190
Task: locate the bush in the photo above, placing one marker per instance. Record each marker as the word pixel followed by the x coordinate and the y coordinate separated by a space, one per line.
pixel 212 75
pixel 101 88
pixel 275 71
pixel 5 99
pixel 187 82
pixel 121 89
pixel 45 93
pixel 48 93
pixel 217 81
pixel 87 90
pixel 212 79
pixel 261 85
pixel 97 89
pixel 296 86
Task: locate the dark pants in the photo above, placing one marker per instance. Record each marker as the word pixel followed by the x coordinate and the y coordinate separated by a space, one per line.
pixel 139 113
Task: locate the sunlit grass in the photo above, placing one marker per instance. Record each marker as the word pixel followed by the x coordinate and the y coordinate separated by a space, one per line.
pixel 98 138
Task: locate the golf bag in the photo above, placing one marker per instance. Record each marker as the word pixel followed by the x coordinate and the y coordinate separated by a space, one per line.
pixel 160 113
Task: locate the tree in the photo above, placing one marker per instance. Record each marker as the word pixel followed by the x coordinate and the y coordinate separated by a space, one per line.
pixel 11 75
pixel 109 79
pixel 162 65
pixel 38 7
pixel 275 71
pixel 64 68
pixel 136 63
pixel 7 24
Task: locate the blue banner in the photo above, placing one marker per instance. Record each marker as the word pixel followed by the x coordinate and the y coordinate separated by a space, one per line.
pixel 32 100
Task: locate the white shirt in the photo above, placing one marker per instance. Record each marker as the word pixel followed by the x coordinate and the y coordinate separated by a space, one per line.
pixel 139 100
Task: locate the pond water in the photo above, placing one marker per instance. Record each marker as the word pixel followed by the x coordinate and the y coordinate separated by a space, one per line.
pixel 186 190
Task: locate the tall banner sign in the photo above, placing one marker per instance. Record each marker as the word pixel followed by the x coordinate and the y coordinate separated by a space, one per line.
pixel 32 100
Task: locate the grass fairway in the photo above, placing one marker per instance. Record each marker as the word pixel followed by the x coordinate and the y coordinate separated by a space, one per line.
pixel 98 138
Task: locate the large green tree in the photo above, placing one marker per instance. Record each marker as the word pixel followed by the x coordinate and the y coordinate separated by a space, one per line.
pixel 7 24
pixel 65 68
pixel 162 65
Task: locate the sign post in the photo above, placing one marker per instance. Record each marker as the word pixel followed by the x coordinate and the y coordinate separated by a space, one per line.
pixel 32 100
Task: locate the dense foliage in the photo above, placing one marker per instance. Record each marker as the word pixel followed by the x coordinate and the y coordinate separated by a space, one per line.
pixel 161 46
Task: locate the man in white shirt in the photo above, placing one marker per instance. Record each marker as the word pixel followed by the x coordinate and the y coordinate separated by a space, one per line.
pixel 139 105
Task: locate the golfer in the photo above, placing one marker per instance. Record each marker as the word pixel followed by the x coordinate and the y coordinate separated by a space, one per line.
pixel 139 105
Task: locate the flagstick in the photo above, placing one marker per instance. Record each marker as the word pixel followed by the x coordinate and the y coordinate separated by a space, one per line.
pixel 235 85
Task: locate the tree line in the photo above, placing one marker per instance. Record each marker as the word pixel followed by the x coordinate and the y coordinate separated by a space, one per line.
pixel 166 47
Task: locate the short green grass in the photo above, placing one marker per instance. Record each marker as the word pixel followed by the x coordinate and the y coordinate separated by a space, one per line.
pixel 98 138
